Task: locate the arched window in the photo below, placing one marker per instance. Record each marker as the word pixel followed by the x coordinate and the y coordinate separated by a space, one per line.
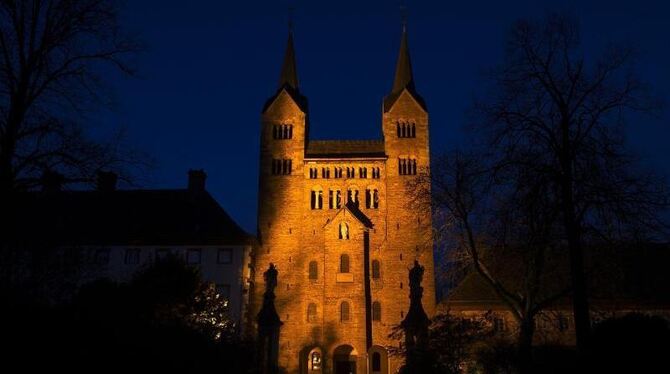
pixel 344 311
pixel 316 199
pixel 313 270
pixel 376 271
pixel 315 360
pixel 376 311
pixel 311 312
pixel 413 131
pixel 344 263
pixel 344 231
pixel 397 128
pixel 376 362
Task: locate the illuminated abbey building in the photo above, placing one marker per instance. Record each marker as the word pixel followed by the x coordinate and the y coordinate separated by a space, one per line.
pixel 334 218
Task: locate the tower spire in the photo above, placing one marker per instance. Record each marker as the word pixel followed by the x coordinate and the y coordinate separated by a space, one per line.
pixel 289 71
pixel 403 70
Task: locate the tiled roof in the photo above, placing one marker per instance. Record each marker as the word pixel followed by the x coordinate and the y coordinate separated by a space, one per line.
pixel 344 148
pixel 125 217
pixel 626 276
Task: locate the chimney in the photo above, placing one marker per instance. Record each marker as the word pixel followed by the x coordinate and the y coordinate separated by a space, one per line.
pixel 106 181
pixel 196 180
pixel 52 181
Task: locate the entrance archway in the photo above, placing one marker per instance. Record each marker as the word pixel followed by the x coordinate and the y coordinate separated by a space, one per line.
pixel 378 360
pixel 311 360
pixel 344 360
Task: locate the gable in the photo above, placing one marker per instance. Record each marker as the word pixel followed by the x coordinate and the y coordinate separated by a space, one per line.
pixel 286 98
pixel 350 213
pixel 404 99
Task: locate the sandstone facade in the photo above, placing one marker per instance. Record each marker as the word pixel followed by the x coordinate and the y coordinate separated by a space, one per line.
pixel 336 220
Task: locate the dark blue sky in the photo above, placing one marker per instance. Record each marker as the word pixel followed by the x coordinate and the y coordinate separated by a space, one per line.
pixel 210 65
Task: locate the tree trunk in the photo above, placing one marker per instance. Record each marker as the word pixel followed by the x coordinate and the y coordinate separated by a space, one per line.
pixel 525 344
pixel 580 302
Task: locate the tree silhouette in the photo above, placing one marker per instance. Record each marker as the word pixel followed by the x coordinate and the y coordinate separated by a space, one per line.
pixel 53 57
pixel 561 119
pixel 502 226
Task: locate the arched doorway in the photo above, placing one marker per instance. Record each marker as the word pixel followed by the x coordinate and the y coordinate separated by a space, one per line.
pixel 311 361
pixel 344 360
pixel 378 360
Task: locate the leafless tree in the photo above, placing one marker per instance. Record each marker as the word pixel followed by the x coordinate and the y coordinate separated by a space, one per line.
pixel 548 102
pixel 55 59
pixel 501 225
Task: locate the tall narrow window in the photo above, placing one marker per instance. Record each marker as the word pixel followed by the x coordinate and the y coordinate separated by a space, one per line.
pixel 344 231
pixel 344 263
pixel 282 132
pixel 282 166
pixel 313 270
pixel 331 199
pixel 352 196
pixel 344 311
pixel 407 166
pixel 316 199
pixel 338 199
pixel 311 312
pixel 325 173
pixel 376 271
pixel 375 173
pixel 376 362
pixel 376 311
pixel 375 199
pixel 362 172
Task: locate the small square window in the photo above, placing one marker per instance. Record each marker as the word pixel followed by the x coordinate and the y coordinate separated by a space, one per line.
pixel 102 256
pixel 132 256
pixel 162 253
pixel 193 256
pixel 223 290
pixel 224 256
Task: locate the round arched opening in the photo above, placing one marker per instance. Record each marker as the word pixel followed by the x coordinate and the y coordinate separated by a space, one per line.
pixel 378 360
pixel 344 360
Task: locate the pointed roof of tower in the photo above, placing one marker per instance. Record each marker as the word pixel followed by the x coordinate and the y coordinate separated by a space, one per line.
pixel 288 77
pixel 403 69
pixel 404 78
pixel 289 71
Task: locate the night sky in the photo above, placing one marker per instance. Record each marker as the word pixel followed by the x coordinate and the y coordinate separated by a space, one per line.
pixel 210 66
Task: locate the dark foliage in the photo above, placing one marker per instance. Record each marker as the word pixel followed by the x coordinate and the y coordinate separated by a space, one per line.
pixel 635 343
pixel 145 325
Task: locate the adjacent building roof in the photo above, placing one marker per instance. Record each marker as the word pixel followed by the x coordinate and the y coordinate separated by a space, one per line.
pixel 625 277
pixel 126 217
pixel 344 148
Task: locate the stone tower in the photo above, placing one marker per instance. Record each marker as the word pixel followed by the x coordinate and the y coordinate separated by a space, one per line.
pixel 333 216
